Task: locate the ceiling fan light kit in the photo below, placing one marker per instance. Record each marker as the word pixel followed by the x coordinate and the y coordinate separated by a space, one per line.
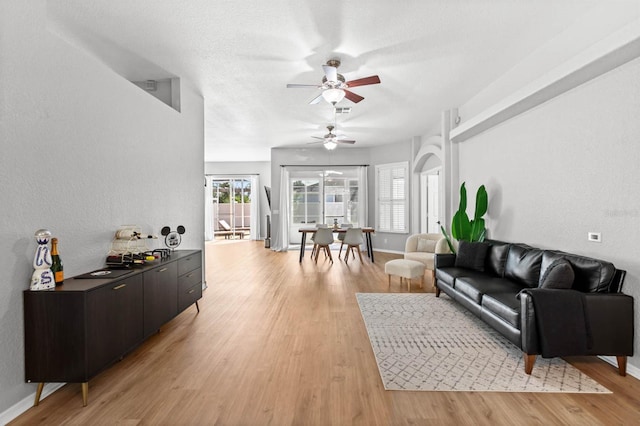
pixel 334 87
pixel 333 96
pixel 330 145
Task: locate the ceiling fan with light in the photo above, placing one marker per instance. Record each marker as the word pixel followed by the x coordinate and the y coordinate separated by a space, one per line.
pixel 331 140
pixel 334 87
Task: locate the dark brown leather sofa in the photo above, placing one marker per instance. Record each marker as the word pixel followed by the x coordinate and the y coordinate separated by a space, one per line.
pixel 592 317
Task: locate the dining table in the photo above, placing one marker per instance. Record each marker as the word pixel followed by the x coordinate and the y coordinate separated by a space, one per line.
pixel 367 231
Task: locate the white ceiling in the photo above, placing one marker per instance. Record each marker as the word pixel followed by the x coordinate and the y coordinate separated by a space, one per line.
pixel 431 55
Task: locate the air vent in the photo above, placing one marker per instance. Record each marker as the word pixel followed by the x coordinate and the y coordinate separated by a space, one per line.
pixel 151 85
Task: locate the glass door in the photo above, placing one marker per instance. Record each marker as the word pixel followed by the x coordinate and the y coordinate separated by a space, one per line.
pixel 322 197
pixel 231 207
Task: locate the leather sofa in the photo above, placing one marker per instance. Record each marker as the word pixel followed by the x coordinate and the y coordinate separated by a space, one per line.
pixel 502 287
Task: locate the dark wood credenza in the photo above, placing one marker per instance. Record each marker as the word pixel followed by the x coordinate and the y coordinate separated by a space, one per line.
pixel 74 332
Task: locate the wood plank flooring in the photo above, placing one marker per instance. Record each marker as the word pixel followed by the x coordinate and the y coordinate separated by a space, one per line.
pixel 277 342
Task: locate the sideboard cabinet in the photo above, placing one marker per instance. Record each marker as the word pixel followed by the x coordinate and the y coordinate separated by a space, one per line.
pixel 75 331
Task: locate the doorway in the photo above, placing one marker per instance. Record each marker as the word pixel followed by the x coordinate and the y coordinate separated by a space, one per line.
pixel 231 210
pixel 430 202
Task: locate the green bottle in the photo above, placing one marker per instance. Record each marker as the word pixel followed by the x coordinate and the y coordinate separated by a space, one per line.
pixel 56 263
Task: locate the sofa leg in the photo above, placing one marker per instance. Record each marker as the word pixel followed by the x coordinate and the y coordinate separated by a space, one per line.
pixel 435 284
pixel 622 365
pixel 529 360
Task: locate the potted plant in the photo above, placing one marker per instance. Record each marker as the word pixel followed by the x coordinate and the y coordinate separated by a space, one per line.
pixel 464 229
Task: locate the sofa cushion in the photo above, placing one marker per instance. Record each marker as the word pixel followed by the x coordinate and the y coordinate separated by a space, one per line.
pixel 557 275
pixel 523 265
pixel 471 255
pixel 496 258
pixel 475 287
pixel 426 245
pixel 450 274
pixel 505 305
pixel 591 275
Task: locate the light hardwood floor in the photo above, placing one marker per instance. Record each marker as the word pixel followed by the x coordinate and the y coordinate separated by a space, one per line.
pixel 277 342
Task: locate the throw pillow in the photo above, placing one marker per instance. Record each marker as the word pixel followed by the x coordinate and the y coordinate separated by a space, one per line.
pixel 471 255
pixel 426 245
pixel 559 274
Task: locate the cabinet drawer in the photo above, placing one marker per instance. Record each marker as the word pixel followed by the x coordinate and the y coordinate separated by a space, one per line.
pixel 189 279
pixel 189 296
pixel 189 263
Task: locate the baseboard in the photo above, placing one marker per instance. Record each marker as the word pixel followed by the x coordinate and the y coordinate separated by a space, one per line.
pixel 631 370
pixel 23 405
pixel 388 251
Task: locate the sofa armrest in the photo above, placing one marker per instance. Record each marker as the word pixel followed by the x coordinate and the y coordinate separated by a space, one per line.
pixel 610 318
pixel 442 260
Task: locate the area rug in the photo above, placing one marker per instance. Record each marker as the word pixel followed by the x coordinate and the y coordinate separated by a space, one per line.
pixel 424 343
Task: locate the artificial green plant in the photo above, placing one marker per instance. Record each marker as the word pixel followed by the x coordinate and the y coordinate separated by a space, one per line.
pixel 464 229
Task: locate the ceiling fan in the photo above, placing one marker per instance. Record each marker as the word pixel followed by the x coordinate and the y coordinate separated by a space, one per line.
pixel 334 87
pixel 331 140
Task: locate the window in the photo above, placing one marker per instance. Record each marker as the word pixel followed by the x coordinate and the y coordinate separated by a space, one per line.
pixel 392 189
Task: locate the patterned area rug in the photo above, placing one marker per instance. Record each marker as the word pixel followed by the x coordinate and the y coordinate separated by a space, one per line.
pixel 433 344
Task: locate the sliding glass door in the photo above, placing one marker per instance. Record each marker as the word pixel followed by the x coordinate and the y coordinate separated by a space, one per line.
pixel 322 197
pixel 231 206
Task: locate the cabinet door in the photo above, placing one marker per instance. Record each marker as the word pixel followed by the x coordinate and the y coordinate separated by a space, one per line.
pixel 54 336
pixel 114 322
pixel 160 296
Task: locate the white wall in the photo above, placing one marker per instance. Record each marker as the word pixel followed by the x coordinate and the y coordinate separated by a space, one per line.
pixel 566 168
pixel 261 168
pixel 83 151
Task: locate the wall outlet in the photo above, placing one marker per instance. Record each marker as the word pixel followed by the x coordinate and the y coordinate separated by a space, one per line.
pixel 384 240
pixel 595 237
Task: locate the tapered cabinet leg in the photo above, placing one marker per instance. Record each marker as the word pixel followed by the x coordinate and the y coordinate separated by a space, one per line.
pixel 529 360
pixel 38 394
pixel 622 365
pixel 85 393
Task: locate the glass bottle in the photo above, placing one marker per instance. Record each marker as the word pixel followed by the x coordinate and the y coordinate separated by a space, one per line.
pixel 56 263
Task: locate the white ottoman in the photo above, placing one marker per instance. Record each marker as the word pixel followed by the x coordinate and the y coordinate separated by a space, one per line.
pixel 405 269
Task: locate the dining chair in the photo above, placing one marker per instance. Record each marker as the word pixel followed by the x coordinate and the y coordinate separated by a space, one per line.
pixel 341 236
pixel 313 237
pixel 353 239
pixel 323 238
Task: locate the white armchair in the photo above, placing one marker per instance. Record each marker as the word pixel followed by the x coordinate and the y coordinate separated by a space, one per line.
pixel 422 247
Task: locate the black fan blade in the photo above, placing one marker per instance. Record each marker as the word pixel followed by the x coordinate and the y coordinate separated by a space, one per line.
pixel 352 97
pixel 302 86
pixel 317 137
pixel 345 141
pixel 374 79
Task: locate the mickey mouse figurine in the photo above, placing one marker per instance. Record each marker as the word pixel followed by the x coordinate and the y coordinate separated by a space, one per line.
pixel 172 239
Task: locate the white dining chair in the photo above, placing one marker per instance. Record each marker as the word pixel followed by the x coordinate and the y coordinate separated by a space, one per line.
pixel 353 240
pixel 341 236
pixel 313 237
pixel 323 238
